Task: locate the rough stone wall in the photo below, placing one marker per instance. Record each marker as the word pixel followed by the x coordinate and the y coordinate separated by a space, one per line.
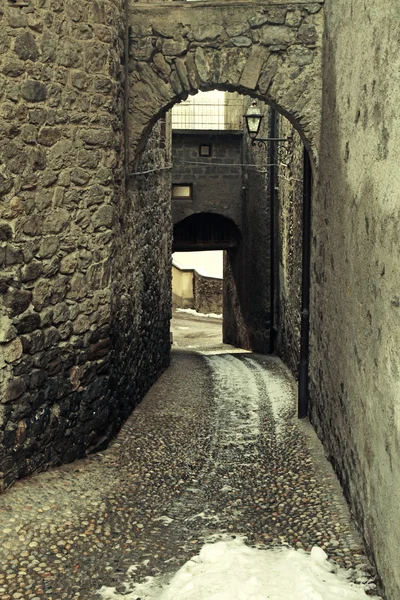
pixel 247 269
pixel 142 268
pixel 60 177
pixel 289 245
pixel 207 294
pixel 216 188
pixel 355 316
pixel 271 52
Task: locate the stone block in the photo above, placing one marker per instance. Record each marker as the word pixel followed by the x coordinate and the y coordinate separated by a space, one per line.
pixel 307 34
pixel 252 69
pixel 6 232
pixel 15 388
pixel 27 323
pixel 48 246
pixel 7 330
pixel 103 217
pixel 17 300
pixel 33 91
pixel 25 47
pixel 56 222
pixel 175 47
pixel 12 351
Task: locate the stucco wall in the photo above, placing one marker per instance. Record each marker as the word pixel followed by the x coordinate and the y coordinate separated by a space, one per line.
pixel 182 287
pixel 355 318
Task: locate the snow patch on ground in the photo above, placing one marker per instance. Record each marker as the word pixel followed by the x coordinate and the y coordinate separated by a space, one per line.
pixel 230 570
pixel 191 311
pixel 280 395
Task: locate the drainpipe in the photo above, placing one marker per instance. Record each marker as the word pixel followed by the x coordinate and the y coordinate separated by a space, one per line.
pixel 305 291
pixel 272 160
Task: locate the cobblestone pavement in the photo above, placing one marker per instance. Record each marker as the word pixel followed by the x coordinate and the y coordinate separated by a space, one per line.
pixel 212 449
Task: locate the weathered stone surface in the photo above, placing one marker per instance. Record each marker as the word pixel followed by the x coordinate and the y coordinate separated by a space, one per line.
pixel 103 217
pixel 49 291
pixel 6 232
pixel 252 69
pixel 56 222
pixel 270 16
pixel 28 323
pixel 31 271
pixel 25 47
pixel 12 351
pixel 96 137
pixel 7 330
pixel 17 300
pixel 69 263
pixel 79 176
pixel 6 184
pixel 275 36
pixel 241 41
pixel 98 275
pixel 174 47
pixel 162 66
pixel 307 34
pixel 61 313
pixel 207 32
pixel 33 91
pixel 13 68
pixel 15 389
pixel 294 18
pixel 48 246
pixel 48 136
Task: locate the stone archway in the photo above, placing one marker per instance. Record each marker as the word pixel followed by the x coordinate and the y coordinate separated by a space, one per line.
pixel 269 51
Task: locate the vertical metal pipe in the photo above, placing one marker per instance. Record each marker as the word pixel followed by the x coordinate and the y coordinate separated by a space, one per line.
pixel 272 160
pixel 305 291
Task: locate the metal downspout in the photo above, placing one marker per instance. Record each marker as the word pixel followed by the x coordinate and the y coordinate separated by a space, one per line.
pixel 305 292
pixel 272 160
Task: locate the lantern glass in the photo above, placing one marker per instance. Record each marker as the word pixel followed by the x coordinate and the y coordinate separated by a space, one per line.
pixel 253 120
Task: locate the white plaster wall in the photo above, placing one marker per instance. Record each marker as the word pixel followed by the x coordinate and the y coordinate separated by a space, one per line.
pixel 355 318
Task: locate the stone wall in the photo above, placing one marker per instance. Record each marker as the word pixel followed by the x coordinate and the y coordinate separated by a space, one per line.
pixel 207 294
pixel 142 266
pixel 247 269
pixel 85 260
pixel 60 177
pixel 216 188
pixel 270 52
pixel 289 245
pixel 355 306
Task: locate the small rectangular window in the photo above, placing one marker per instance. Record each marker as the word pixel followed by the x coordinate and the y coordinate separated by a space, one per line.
pixel 181 190
pixel 205 150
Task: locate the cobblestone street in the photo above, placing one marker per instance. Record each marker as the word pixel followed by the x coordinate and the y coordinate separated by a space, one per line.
pixel 213 449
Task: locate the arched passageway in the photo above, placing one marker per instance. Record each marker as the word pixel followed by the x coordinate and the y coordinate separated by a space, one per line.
pixel 205 231
pixel 88 227
pixel 273 53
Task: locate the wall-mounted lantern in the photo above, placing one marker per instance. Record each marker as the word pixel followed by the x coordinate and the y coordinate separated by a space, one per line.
pixel 253 118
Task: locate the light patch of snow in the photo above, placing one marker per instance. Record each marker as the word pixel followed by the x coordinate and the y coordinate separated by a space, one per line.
pixel 164 519
pixel 238 414
pixel 230 570
pixel 280 394
pixel 191 311
pixel 204 516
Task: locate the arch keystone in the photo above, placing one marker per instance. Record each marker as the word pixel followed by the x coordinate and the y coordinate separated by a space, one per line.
pixel 252 70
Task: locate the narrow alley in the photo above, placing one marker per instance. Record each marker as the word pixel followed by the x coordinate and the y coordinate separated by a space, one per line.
pixel 213 452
